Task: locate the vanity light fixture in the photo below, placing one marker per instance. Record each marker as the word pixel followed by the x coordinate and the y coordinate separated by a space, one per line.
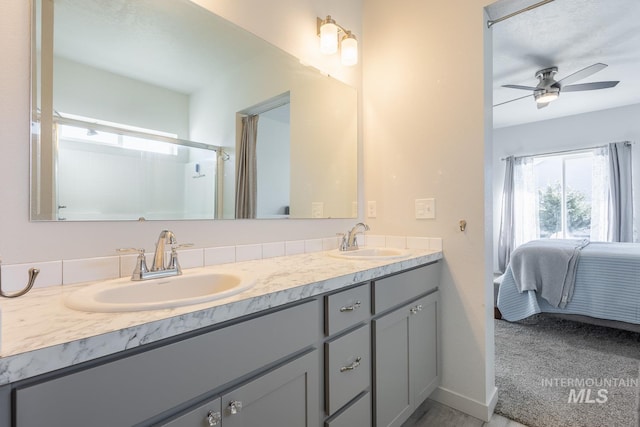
pixel 329 32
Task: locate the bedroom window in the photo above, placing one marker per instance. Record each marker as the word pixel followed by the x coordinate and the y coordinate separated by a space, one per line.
pixel 561 196
pixel 566 195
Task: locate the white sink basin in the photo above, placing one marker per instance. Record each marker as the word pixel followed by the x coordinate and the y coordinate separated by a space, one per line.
pixel 371 253
pixel 192 287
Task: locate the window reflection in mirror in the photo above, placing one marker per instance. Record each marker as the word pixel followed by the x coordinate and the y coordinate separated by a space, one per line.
pixel 172 67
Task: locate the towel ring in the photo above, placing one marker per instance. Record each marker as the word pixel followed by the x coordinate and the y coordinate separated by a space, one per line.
pixel 33 273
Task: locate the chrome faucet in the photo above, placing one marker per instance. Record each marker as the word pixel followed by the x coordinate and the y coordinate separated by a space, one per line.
pixel 158 268
pixel 165 236
pixel 349 241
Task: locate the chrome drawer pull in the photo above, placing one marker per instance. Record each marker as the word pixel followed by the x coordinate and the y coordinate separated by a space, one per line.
pixel 353 366
pixel 235 406
pixel 213 418
pixel 351 307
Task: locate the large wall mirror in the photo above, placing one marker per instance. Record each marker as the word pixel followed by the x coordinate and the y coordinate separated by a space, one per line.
pixel 159 109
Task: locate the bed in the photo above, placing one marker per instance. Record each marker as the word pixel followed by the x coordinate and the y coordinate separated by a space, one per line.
pixel 606 289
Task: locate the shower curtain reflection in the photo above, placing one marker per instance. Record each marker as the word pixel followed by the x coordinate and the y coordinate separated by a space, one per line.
pixel 246 169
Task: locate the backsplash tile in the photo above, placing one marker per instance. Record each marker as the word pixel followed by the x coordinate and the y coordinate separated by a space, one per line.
pixel 399 242
pixel 375 240
pixel 90 269
pixel 219 255
pixel 313 245
pixel 329 243
pixel 272 249
pixel 248 252
pixel 435 243
pixel 16 276
pixel 190 258
pixel 294 247
pixel 418 242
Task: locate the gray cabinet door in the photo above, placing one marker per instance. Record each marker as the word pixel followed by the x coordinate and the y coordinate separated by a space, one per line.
pixel 392 390
pixel 286 396
pixel 205 415
pixel 405 360
pixel 423 347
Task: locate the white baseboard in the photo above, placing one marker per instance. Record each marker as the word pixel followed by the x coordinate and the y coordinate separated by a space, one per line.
pixel 464 404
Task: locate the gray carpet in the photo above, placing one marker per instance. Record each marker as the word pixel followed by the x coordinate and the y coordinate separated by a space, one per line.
pixel 540 360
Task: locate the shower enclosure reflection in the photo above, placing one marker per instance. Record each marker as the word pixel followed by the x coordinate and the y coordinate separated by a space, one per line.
pixel 124 172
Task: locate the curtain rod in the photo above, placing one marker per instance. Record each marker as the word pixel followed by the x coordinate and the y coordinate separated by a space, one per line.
pixel 576 150
pixel 517 12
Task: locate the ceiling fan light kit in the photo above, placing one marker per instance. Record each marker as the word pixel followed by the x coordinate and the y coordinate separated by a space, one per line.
pixel 548 89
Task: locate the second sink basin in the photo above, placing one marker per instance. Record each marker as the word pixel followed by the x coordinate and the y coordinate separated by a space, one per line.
pixel 371 253
pixel 192 287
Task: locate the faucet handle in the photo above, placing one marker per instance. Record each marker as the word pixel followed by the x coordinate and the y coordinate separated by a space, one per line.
pixel 181 245
pixel 343 241
pixel 141 262
pixel 131 251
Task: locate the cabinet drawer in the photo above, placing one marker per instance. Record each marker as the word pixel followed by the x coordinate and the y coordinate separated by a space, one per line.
pixel 133 389
pixel 347 308
pixel 395 290
pixel 356 415
pixel 348 368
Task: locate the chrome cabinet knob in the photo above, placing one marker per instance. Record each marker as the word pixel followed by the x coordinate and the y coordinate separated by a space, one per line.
pixel 213 418
pixel 235 406
pixel 416 309
pixel 351 307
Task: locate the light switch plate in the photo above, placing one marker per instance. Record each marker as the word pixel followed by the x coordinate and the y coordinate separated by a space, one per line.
pixel 371 209
pixel 425 208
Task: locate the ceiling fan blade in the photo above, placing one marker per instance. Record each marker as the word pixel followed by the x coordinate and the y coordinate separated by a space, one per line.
pixel 511 100
pixel 582 74
pixel 520 87
pixel 589 86
pixel 542 105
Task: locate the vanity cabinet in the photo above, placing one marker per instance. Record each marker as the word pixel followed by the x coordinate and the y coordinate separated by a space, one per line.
pixel 405 340
pixel 142 387
pixel 364 356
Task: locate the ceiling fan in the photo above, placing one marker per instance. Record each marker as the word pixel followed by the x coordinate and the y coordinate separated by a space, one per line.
pixel 548 89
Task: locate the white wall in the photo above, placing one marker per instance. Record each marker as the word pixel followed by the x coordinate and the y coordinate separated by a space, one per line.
pixel 98 94
pixel 426 135
pixel 289 24
pixel 272 152
pixel 566 133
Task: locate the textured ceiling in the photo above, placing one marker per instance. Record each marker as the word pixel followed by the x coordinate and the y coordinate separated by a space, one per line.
pixel 570 35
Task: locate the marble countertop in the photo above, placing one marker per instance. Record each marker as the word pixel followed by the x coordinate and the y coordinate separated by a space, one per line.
pixel 40 334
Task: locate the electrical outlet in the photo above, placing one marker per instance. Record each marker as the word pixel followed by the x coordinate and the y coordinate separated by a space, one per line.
pixel 371 209
pixel 425 208
pixel 317 210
